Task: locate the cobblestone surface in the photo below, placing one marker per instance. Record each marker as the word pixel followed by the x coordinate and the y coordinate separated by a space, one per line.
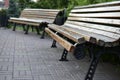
pixel 27 57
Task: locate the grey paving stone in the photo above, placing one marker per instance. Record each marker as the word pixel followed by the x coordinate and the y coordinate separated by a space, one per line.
pixel 27 57
pixel 22 74
pixel 6 77
pixel 22 67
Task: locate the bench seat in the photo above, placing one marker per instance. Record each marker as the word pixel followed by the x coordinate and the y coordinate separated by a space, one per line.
pixel 98 37
pixel 37 14
pixel 93 29
pixel 38 18
pixel 34 22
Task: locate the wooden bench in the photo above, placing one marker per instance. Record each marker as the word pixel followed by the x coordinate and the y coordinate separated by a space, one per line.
pixel 38 18
pixel 93 28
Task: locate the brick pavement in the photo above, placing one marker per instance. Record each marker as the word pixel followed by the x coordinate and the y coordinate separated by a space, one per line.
pixel 27 57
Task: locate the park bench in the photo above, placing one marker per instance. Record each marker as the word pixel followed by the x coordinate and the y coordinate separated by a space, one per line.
pixel 37 18
pixel 92 28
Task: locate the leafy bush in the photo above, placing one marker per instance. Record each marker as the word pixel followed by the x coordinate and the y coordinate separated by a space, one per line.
pixel 13 10
pixel 3 12
pixel 3 17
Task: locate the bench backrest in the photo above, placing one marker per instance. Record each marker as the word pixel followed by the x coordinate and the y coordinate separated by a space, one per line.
pixel 40 14
pixel 99 23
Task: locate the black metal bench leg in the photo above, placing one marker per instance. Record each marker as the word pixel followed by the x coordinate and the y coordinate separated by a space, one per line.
pixel 37 29
pixel 14 27
pixel 7 25
pixel 23 27
pixel 32 28
pixel 90 51
pixel 64 56
pixel 26 32
pixel 93 66
pixel 54 44
pixel 43 34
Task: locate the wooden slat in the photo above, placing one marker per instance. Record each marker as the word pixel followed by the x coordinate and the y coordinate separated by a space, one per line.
pixel 102 15
pixel 96 20
pixel 39 14
pixel 87 34
pixel 38 17
pixel 23 22
pixel 73 36
pixel 68 46
pixel 92 30
pixel 112 29
pixel 92 37
pixel 54 10
pixel 31 20
pixel 98 9
pixel 24 14
pixel 46 12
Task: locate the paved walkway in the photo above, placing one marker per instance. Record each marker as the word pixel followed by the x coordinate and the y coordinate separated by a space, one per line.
pixel 27 57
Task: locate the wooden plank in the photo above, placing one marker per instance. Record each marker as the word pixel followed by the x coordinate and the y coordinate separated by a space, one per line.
pixel 73 36
pixel 40 14
pixel 40 11
pixel 100 40
pixel 23 22
pixel 96 20
pixel 96 26
pixel 92 30
pixel 89 36
pixel 54 10
pixel 101 15
pixel 68 46
pixel 109 44
pixel 32 20
pixel 97 9
pixel 26 15
pixel 38 17
pixel 100 4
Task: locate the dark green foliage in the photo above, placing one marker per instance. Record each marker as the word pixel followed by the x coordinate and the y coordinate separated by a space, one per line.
pixel 3 12
pixel 114 59
pixel 60 4
pixel 64 3
pixel 23 3
pixel 13 10
pixel 3 17
pixel 50 4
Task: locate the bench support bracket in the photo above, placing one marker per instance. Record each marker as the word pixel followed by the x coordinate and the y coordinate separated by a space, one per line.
pixel 37 29
pixel 23 27
pixel 54 44
pixel 32 28
pixel 64 56
pixel 93 66
pixel 43 34
pixel 43 26
pixel 26 32
pixel 96 52
pixel 14 27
